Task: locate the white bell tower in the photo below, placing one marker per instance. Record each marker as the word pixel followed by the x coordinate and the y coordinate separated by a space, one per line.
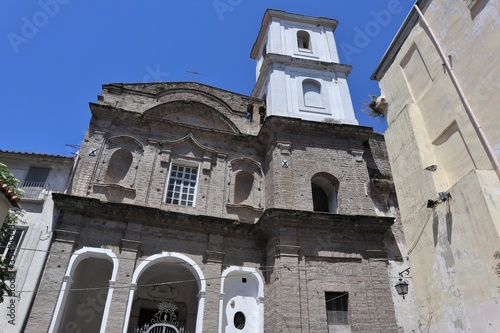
pixel 298 69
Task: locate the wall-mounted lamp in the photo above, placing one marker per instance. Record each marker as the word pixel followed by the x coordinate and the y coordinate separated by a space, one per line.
pixel 402 285
pixel 442 197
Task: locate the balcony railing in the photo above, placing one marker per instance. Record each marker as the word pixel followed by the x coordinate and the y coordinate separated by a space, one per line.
pixel 34 190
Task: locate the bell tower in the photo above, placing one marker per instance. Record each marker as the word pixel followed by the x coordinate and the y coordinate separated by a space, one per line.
pixel 298 70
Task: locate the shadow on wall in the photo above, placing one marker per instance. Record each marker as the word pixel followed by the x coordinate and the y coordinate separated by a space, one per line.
pixel 449 221
pixel 477 7
pixel 449 225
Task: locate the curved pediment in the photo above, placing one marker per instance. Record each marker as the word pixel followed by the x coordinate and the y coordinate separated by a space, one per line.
pixel 188 140
pixel 191 113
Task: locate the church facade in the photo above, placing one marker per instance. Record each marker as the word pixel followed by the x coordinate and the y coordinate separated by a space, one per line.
pixel 195 209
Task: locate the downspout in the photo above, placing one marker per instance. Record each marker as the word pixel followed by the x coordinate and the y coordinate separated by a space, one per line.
pixel 468 108
pixel 72 174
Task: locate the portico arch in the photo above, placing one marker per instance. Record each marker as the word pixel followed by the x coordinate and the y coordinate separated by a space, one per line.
pixel 86 291
pixel 167 277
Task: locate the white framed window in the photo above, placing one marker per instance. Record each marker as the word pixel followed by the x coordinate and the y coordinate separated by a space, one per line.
pixel 303 40
pixel 182 185
pixel 10 245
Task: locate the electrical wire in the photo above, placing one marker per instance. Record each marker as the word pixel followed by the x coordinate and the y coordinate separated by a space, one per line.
pixel 410 250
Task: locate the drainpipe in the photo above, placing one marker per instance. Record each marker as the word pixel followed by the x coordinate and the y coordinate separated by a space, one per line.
pixel 468 108
pixel 72 174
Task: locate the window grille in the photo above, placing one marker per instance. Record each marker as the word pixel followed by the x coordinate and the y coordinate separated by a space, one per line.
pixel 239 320
pixel 181 188
pixel 35 182
pixel 10 245
pixel 337 308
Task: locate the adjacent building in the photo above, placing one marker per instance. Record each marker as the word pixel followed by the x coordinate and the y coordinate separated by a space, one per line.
pixel 25 246
pixel 196 209
pixel 440 81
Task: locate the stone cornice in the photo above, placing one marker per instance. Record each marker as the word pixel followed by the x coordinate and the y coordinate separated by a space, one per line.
pixel 289 129
pixel 272 219
pixel 156 89
pixel 275 218
pixel 272 59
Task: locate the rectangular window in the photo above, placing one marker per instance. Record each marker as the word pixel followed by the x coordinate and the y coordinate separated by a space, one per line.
pixel 35 182
pixel 336 309
pixel 10 245
pixel 181 189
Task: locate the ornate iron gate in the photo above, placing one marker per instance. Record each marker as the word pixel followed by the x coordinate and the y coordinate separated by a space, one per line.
pixel 164 321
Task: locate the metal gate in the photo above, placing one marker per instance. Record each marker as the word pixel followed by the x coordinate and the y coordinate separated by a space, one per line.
pixel 164 321
pixel 162 328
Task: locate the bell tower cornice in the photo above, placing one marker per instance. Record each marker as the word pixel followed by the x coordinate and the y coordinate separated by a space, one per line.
pixel 271 60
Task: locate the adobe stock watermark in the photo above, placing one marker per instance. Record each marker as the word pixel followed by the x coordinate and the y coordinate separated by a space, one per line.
pixel 486 86
pixel 223 6
pixel 154 74
pixel 31 26
pixel 86 312
pixel 371 30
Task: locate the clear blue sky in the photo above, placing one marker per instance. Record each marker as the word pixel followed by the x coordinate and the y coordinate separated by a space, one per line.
pixel 56 54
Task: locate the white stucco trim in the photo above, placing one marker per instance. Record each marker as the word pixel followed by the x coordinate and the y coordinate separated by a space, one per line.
pixel 260 296
pixel 169 257
pixel 76 258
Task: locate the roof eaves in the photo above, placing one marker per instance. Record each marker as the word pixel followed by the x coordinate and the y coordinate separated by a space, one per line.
pixel 393 49
pixel 35 154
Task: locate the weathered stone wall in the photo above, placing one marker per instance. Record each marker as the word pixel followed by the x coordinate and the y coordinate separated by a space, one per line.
pixel 310 148
pixel 298 260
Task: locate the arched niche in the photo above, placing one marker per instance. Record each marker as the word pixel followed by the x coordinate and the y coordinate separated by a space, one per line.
pixel 119 166
pixel 311 90
pixel 245 182
pixel 120 161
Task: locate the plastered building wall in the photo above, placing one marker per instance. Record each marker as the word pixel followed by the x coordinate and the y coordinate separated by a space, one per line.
pixel 434 147
pixel 38 222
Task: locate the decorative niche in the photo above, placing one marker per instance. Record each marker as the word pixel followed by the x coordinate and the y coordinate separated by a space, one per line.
pixel 244 197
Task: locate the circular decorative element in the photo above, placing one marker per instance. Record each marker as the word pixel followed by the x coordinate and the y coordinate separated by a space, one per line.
pixel 239 320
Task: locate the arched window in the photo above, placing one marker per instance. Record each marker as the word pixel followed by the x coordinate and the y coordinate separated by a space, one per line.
pixel 312 93
pixel 119 165
pixel 243 186
pixel 303 40
pixel 324 193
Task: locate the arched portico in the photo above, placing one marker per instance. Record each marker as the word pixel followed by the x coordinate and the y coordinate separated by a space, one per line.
pixel 92 273
pixel 167 277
